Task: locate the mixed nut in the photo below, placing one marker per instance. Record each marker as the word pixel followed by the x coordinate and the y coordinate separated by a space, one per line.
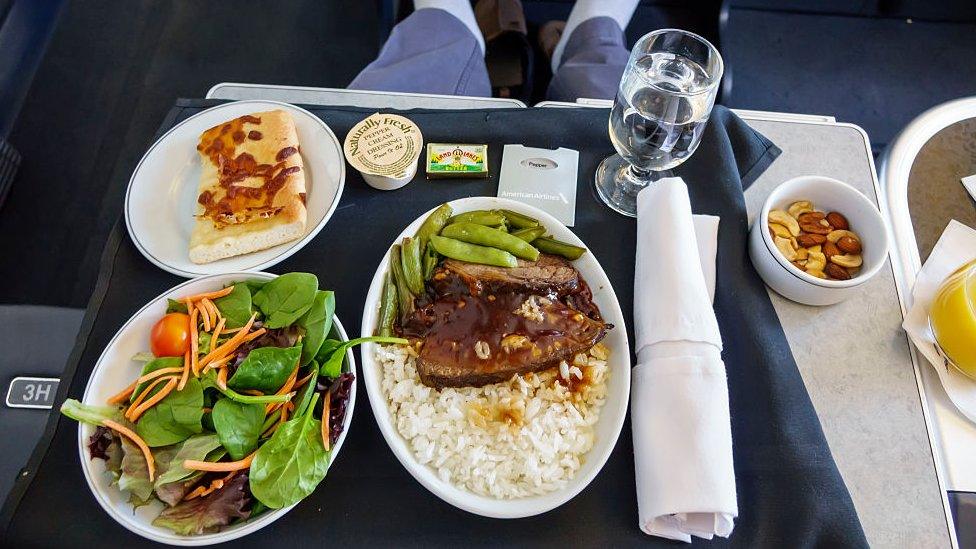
pixel 820 244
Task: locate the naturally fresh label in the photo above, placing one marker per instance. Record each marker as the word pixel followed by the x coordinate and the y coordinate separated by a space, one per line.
pixel 383 144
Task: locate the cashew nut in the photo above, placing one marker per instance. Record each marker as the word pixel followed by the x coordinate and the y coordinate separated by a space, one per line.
pixel 816 273
pixel 802 254
pixel 786 220
pixel 816 261
pixel 799 207
pixel 815 249
pixel 780 230
pixel 847 260
pixel 784 247
pixel 834 236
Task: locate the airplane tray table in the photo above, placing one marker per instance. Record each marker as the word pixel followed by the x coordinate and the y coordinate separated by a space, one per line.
pixel 904 509
pixel 855 388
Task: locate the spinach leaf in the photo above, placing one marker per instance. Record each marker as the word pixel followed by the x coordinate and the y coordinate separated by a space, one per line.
pixel 305 397
pixel 236 306
pixel 286 298
pixel 238 426
pixel 289 466
pixel 152 366
pixel 173 306
pixel 317 323
pixel 266 368
pixel 209 381
pixel 176 417
pixel 255 285
pixel 86 413
pixel 196 448
pixel 328 347
pixel 332 366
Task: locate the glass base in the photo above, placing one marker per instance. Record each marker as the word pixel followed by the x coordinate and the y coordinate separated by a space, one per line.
pixel 617 184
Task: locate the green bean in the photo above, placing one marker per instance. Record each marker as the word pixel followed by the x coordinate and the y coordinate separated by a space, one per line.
pixel 479 217
pixel 471 253
pixel 433 225
pixel 486 236
pixel 388 307
pixel 530 234
pixel 412 269
pixel 519 221
pixel 403 293
pixel 430 261
pixel 555 247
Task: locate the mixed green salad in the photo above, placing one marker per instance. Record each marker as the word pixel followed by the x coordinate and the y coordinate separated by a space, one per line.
pixel 236 409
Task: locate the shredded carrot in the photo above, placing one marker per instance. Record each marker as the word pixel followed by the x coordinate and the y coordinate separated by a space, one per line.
pixel 326 412
pixel 210 295
pixel 219 466
pixel 254 335
pixel 214 311
pixel 194 342
pixel 233 330
pixel 301 382
pixel 186 371
pixel 153 400
pixel 123 395
pixel 222 378
pixel 126 432
pixel 204 316
pixel 216 334
pixel 145 394
pixel 288 386
pixel 231 344
pixel 217 363
pixel 160 372
pixel 216 484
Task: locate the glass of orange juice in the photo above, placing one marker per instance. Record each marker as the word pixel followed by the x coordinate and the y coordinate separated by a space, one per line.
pixel 953 319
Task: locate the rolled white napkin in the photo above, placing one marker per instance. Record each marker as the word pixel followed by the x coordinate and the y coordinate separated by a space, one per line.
pixel 679 395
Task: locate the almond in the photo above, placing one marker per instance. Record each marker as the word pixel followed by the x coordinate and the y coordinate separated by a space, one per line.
pixel 848 245
pixel 838 221
pixel 810 217
pixel 814 227
pixel 837 272
pixel 810 240
pixel 830 249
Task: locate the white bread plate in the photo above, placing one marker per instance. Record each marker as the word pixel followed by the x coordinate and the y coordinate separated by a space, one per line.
pixel 612 414
pixel 115 369
pixel 161 200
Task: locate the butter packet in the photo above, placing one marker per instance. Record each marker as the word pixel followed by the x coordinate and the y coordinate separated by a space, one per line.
pixel 456 160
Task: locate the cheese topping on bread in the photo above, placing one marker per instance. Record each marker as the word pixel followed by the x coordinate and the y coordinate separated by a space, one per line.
pixel 252 187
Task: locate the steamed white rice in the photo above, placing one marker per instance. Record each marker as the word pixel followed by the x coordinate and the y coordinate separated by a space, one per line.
pixel 524 437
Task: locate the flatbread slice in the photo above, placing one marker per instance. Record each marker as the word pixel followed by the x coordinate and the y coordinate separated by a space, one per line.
pixel 252 187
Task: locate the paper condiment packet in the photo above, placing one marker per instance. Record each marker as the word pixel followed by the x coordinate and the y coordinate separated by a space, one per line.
pixel 543 178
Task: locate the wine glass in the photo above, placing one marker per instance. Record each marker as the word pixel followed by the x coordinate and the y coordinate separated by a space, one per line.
pixel 666 94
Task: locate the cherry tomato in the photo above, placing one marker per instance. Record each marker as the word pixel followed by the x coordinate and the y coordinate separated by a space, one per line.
pixel 171 335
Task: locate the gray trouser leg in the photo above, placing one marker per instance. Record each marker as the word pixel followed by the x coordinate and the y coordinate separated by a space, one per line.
pixel 592 63
pixel 430 51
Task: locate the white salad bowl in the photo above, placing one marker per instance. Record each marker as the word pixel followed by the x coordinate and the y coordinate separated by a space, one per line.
pixel 115 369
pixel 827 195
pixel 612 414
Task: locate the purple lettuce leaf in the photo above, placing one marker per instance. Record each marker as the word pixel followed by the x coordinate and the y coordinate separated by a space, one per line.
pixel 208 513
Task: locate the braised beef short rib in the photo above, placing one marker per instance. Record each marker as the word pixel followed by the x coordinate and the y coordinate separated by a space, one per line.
pixel 481 324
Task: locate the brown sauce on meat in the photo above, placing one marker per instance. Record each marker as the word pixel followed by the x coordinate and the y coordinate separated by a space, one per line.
pixel 240 203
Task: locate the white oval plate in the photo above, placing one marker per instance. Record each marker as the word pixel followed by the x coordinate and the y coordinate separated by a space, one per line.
pixel 611 415
pixel 162 196
pixel 115 369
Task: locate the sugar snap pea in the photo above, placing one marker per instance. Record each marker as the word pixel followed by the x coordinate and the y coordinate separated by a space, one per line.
pixel 480 217
pixel 555 247
pixel 412 269
pixel 404 298
pixel 472 253
pixel 430 261
pixel 433 225
pixel 519 221
pixel 486 236
pixel 388 307
pixel 530 233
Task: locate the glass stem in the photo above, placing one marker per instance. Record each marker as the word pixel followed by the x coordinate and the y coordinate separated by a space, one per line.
pixel 638 177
